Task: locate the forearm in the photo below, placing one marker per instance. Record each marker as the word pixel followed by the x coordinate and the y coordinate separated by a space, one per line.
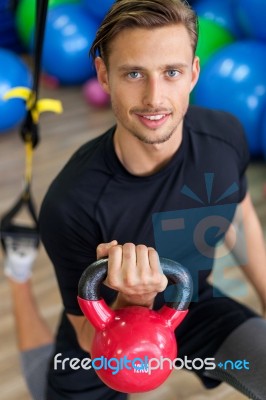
pixel 84 331
pixel 250 251
pixel 255 268
pixel 122 301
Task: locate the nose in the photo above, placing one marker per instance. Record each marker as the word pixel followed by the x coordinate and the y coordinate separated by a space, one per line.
pixel 153 92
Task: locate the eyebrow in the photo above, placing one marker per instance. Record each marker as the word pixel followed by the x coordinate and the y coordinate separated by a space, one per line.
pixel 129 67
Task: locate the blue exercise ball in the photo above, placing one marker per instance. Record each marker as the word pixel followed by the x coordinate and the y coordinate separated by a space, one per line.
pixel 251 16
pixel 263 133
pixel 234 80
pixel 220 12
pixel 98 9
pixel 68 37
pixel 13 72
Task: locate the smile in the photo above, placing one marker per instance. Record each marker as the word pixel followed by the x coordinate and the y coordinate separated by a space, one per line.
pixel 153 121
pixel 154 117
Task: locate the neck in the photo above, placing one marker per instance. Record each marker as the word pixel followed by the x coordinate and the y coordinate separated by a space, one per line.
pixel 142 159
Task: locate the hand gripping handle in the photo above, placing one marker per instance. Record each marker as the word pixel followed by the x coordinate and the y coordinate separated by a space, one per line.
pixel 95 274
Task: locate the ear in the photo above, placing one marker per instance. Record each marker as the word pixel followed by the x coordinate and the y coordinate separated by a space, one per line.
pixel 102 74
pixel 195 72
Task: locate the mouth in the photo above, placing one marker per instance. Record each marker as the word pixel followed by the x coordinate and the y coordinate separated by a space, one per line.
pixel 153 121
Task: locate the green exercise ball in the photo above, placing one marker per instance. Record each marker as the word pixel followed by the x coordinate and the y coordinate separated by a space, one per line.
pixel 212 37
pixel 25 17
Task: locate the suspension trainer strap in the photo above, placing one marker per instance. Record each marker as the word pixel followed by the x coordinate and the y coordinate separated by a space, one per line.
pixel 29 130
pixel 30 135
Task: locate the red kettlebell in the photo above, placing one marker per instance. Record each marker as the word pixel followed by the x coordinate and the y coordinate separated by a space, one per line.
pixel 130 343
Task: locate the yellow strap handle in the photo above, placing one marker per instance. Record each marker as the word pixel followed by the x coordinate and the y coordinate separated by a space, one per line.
pixel 41 106
pixel 28 161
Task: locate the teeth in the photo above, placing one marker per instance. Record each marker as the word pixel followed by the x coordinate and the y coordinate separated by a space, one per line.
pixel 154 117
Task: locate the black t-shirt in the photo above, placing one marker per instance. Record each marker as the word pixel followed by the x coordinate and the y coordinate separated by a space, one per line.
pixel 182 210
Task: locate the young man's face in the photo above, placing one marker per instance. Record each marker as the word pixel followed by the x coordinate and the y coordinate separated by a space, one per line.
pixel 149 78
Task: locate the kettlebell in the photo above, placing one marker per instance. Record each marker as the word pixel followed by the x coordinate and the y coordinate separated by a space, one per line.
pixel 130 344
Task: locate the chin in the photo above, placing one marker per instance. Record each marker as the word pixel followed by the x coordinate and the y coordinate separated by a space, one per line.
pixel 156 137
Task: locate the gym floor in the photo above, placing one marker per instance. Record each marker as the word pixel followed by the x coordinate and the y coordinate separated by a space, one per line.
pixel 60 137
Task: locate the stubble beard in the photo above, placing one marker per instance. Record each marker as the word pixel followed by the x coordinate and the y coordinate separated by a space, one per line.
pixel 142 137
pixel 159 140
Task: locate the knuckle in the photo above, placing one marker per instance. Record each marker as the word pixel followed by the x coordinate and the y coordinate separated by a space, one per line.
pixel 153 256
pixel 145 280
pixel 152 251
pixel 129 281
pixel 113 250
pixel 129 246
pixel 100 252
pixel 129 251
pixel 100 247
pixel 142 247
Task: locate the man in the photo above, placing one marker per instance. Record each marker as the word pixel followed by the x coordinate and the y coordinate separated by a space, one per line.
pixel 113 197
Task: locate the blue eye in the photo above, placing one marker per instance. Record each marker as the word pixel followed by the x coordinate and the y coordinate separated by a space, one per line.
pixel 173 73
pixel 134 75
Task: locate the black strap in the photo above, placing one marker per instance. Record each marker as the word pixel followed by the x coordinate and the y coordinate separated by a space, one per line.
pixel 29 129
pixel 30 134
pixel 24 200
pixel 41 13
pixel 10 229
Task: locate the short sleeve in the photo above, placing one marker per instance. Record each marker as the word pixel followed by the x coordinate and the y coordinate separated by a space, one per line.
pixel 70 244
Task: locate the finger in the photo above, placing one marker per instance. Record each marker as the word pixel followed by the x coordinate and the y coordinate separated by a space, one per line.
pixel 114 272
pixel 156 269
pixel 154 260
pixel 143 263
pixel 129 272
pixel 104 248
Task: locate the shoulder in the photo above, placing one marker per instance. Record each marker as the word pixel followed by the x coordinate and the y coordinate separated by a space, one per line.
pixel 215 124
pixel 92 150
pixel 89 158
pixel 80 181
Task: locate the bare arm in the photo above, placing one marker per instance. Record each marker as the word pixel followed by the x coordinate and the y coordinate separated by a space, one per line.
pixel 253 244
pixel 134 271
pixel 84 331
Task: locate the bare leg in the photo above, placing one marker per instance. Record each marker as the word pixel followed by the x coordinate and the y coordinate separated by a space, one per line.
pixel 34 338
pixel 31 329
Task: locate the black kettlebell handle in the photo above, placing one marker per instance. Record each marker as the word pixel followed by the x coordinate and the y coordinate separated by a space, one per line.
pixel 95 274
